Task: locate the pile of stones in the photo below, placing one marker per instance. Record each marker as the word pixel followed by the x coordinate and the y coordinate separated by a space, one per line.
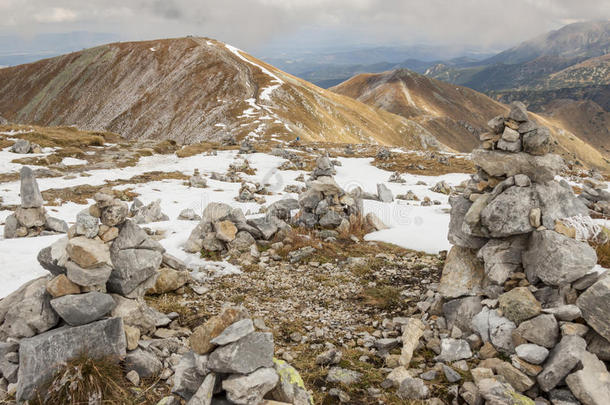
pixel 144 214
pixel 224 229
pixel 596 196
pixel 92 301
pixel 197 180
pixel 231 359
pixel 248 193
pixel 24 146
pixel 516 282
pixel 30 218
pixel 324 204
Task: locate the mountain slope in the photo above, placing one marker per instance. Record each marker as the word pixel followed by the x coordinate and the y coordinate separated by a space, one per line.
pixel 190 90
pixel 456 115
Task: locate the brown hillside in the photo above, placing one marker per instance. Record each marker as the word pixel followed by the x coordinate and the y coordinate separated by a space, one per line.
pixel 456 114
pixel 191 90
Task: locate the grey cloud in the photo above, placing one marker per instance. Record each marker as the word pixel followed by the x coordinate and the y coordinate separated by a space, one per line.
pixel 250 23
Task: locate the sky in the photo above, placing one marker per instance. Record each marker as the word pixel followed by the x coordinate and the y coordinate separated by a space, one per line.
pixel 261 24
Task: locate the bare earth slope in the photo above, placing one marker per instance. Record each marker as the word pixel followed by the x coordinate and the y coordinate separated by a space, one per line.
pixel 456 114
pixel 190 90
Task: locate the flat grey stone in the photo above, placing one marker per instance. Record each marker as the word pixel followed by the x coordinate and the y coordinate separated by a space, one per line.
pixel 234 332
pixel 244 356
pixel 562 359
pixel 79 309
pixel 41 356
pixel 30 193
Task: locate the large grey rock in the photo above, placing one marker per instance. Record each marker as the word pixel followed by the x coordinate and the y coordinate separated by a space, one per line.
pixel 30 217
pixel 557 259
pixel 508 213
pixel 594 304
pixel 88 253
pixel 144 363
pixel 135 313
pixel 532 353
pixel 462 274
pixel 27 311
pixel 519 304
pixel 205 392
pixel 459 312
pixel 115 213
pixel 542 330
pixel 331 219
pixel 562 360
pixel 413 389
pixel 266 226
pixel 454 350
pixel 150 213
pixel 598 345
pixel 87 224
pixel 495 329
pixel 215 211
pixel 244 356
pixel 135 258
pixel 250 389
pixel 282 208
pixel 502 257
pixel 290 387
pixel 41 356
pixel 537 142
pixel 56 224
pixel 384 193
pixel 234 332
pixel 538 168
pixel 496 392
pixel 79 309
pixel 564 312
pixel 54 258
pixel 591 385
pixel 94 276
pixel 518 111
pixel 310 199
pixel 30 193
pixel 557 201
pixel 189 374
pixel 10 227
pixel 456 236
pixel 21 146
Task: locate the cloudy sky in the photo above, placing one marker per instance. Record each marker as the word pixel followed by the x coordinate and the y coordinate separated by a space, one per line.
pixel 254 24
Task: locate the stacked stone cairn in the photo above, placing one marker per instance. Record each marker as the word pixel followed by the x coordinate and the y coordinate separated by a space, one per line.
pixel 231 359
pixel 518 281
pixel 23 146
pixel 224 229
pixel 324 204
pixel 596 196
pixel 31 218
pixel 144 214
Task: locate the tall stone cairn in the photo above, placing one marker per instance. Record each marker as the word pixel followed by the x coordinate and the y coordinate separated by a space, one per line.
pixel 520 274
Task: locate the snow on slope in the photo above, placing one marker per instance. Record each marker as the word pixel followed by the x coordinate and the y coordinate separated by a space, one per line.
pixel 412 226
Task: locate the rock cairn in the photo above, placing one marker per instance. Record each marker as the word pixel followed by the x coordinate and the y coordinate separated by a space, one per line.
pixel 144 214
pixel 224 229
pixel 231 358
pixel 324 204
pixel 92 302
pixel 30 218
pixel 596 196
pixel 23 146
pixel 519 282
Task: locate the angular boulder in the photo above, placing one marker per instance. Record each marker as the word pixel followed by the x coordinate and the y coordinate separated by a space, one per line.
pixel 557 259
pixel 594 304
pixel 251 388
pixel 462 274
pixel 30 193
pixel 79 309
pixel 539 169
pixel 562 360
pixel 41 356
pixel 456 236
pixel 508 213
pixel 244 356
